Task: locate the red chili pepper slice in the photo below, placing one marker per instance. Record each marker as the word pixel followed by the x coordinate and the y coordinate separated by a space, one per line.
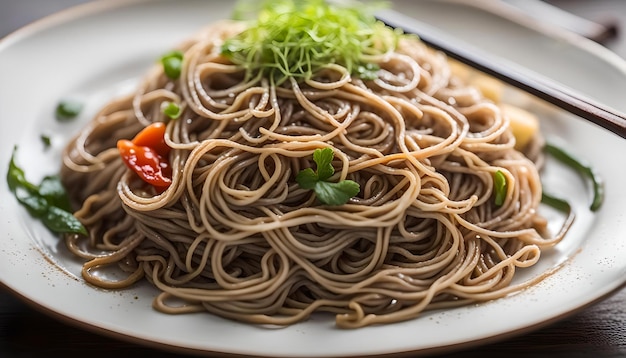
pixel 153 136
pixel 147 155
pixel 147 163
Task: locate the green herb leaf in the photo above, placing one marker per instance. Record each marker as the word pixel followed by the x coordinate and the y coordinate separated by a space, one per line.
pixel 172 63
pixel 52 190
pixel 45 140
pixel 36 205
pixel 47 201
pixel 61 221
pixel 324 158
pixel 16 177
pixel 294 39
pixel 68 109
pixel 328 193
pixel 307 179
pixel 499 187
pixel 336 193
pixel 172 110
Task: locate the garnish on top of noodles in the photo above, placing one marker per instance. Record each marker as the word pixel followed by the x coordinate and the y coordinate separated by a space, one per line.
pixel 297 38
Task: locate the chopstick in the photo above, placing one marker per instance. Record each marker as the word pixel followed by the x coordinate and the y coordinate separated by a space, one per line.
pixel 541 87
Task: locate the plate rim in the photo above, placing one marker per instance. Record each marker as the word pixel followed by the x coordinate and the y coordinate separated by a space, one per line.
pixel 177 349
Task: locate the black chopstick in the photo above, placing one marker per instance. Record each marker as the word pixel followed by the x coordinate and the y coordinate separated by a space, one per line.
pixel 540 87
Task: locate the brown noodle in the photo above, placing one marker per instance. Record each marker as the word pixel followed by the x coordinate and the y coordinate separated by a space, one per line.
pixel 236 236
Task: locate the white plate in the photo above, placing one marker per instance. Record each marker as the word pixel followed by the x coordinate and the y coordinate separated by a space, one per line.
pixel 98 51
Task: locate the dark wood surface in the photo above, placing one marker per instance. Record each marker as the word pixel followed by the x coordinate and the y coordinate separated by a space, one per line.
pixel 597 331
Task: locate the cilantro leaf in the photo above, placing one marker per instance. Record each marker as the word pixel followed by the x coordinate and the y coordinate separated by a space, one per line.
pixel 307 178
pixel 327 192
pixel 324 158
pixel 336 193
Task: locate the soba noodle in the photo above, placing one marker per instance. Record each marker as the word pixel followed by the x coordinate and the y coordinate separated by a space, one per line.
pixel 235 235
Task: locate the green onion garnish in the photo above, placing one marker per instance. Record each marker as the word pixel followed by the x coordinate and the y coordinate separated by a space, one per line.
pixel 499 187
pixel 557 203
pixel 584 169
pixel 172 63
pixel 172 110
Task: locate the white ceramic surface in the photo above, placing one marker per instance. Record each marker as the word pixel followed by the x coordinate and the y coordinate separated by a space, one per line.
pixel 100 50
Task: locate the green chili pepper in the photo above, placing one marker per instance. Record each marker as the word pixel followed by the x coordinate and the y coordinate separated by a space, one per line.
pixel 584 169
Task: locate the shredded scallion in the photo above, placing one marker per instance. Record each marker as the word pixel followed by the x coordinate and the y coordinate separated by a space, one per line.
pixel 297 38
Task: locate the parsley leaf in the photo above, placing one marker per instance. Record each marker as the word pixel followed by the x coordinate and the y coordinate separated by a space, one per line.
pixel 327 192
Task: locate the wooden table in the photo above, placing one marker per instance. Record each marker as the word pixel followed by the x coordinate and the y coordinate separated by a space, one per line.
pixel 597 331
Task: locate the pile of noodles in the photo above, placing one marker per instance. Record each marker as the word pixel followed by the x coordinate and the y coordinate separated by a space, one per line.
pixel 236 236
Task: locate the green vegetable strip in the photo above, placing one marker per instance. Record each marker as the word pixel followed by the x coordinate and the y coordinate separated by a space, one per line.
pixel 564 207
pixel 583 168
pixel 558 204
pixel 499 187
